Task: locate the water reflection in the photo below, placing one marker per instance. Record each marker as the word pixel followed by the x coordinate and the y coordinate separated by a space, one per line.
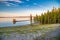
pixel 14 21
pixel 8 22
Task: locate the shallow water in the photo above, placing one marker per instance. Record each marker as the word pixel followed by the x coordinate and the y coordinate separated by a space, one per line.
pixel 6 22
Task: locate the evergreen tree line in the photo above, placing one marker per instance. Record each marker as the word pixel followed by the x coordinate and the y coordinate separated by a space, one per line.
pixel 50 17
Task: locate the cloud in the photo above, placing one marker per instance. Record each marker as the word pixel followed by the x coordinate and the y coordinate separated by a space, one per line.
pixel 19 1
pixel 6 3
pixel 11 4
pixel 4 0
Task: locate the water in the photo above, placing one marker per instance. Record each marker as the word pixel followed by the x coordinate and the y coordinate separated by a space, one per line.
pixel 7 22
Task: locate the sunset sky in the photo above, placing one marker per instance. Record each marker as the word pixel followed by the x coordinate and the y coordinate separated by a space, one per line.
pixel 26 7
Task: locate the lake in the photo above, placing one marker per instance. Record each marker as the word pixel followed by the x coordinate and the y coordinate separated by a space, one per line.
pixel 8 22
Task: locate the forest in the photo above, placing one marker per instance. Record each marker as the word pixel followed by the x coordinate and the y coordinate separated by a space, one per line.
pixel 49 17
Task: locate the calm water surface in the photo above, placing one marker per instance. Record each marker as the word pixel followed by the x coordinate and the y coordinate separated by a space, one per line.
pixel 5 22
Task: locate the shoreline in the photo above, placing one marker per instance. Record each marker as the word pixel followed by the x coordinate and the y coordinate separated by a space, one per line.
pixel 29 27
pixel 35 31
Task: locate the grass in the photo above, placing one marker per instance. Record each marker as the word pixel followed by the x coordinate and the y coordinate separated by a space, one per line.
pixel 22 29
pixel 31 29
pixel 52 38
pixel 28 28
pixel 51 29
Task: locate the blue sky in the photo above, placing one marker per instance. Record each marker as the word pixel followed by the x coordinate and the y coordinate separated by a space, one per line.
pixel 26 7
